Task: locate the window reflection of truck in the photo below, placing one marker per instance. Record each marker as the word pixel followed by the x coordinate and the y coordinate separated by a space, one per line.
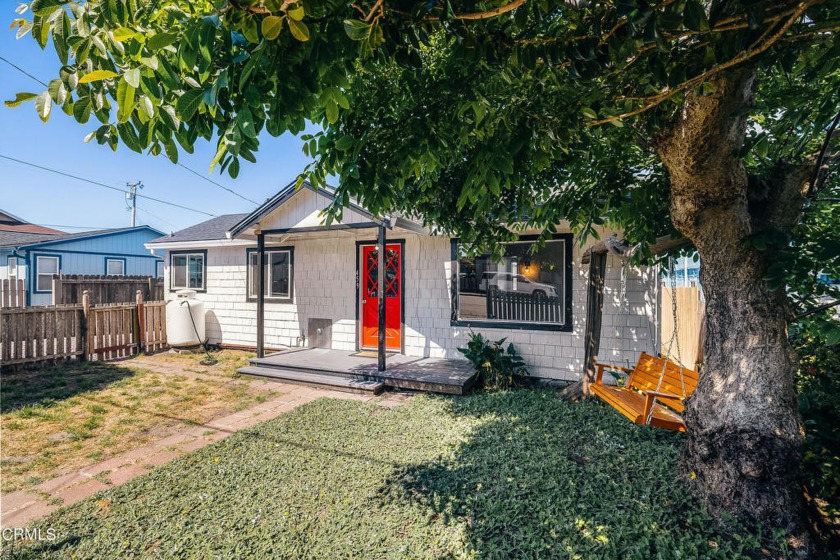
pixel 509 282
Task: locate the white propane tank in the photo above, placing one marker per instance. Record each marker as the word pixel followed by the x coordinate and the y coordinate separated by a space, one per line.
pixel 185 320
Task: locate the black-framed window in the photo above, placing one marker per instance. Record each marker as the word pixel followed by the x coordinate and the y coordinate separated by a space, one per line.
pixel 45 267
pixel 525 289
pixel 188 269
pixel 279 274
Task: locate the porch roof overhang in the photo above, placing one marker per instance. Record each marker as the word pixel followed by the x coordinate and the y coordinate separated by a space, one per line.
pixel 249 227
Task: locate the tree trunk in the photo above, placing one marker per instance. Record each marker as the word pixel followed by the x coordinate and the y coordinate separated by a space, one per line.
pixel 742 453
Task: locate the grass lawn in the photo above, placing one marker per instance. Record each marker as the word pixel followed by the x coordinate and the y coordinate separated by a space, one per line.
pixel 516 474
pixel 60 419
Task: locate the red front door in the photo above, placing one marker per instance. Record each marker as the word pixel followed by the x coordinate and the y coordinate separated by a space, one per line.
pixel 370 296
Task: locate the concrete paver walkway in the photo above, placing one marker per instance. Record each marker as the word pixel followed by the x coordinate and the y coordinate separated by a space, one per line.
pixel 17 509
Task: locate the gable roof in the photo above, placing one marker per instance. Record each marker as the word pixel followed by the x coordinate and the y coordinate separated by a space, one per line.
pixel 211 230
pixel 27 241
pixel 280 198
pixel 10 222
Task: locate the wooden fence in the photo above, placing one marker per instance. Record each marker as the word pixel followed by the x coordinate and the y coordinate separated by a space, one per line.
pixel 690 315
pixel 68 288
pixel 12 293
pixel 517 306
pixel 86 331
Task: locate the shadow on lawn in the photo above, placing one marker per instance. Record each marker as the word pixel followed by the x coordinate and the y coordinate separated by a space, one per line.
pixel 559 480
pixel 46 385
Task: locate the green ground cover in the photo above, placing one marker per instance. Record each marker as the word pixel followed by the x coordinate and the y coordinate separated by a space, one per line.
pixel 516 474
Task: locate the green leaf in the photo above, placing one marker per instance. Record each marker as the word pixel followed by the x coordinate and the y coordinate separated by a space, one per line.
pixel 123 34
pixel 168 117
pixel 271 27
pixel 589 113
pixel 345 143
pixel 97 76
pixel 695 16
pixel 331 111
pixel 57 90
pixel 356 29
pixel 160 40
pixel 45 7
pixel 132 77
pixel 245 120
pixel 43 104
pixel 147 107
pixel 125 100
pixel 129 137
pixel 233 168
pixel 188 103
pixel 20 98
pixel 81 109
pixel 299 30
pixel 296 13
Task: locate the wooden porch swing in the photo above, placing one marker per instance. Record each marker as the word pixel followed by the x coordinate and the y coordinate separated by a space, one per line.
pixel 654 392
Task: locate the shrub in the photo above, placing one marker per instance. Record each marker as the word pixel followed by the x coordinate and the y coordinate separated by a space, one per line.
pixel 818 383
pixel 497 367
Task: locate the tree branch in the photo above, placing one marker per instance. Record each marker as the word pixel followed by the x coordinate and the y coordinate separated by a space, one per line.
pixel 818 178
pixel 819 308
pixel 747 55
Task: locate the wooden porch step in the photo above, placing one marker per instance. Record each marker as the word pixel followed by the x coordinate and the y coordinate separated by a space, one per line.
pixel 322 380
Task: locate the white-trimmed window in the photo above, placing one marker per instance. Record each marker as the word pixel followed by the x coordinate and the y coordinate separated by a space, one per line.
pixel 187 270
pixel 278 274
pixel 114 267
pixel 12 268
pixel 159 269
pixel 45 267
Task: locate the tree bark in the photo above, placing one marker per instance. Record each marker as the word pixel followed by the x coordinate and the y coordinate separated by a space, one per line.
pixel 742 453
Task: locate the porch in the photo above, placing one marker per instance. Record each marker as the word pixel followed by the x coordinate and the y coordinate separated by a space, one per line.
pixel 360 372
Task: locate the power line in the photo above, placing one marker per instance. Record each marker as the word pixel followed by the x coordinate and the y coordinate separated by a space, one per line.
pixel 221 186
pixel 155 216
pixel 22 71
pixel 196 173
pixel 103 185
pixel 76 227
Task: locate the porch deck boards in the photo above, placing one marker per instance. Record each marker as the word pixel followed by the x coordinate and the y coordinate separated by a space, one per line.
pixel 436 375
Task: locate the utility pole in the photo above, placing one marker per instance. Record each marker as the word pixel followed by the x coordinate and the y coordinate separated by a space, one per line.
pixel 131 197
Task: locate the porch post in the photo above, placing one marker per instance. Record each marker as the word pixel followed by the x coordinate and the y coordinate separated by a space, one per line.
pixel 260 295
pixel 380 292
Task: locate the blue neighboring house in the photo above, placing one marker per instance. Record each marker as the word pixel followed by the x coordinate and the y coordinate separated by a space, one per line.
pixel 35 256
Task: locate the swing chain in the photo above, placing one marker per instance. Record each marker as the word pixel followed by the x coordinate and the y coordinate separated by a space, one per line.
pixel 675 333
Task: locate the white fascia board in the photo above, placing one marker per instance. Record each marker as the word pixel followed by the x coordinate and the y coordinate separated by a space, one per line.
pixel 199 244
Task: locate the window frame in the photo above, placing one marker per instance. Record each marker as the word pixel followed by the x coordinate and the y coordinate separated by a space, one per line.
pixel 272 299
pixel 116 259
pixel 568 320
pixel 197 252
pixel 38 274
pixel 162 265
pixel 9 260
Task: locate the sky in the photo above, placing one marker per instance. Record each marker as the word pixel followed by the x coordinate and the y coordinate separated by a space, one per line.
pixel 46 198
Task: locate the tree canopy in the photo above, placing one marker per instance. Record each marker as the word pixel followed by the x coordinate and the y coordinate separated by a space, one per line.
pixel 712 118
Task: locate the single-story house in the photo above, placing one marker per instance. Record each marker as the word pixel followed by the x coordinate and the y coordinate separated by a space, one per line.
pixel 320 287
pixel 35 254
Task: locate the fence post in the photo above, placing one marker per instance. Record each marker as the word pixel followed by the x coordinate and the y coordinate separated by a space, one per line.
pixel 140 323
pixel 86 330
pixel 151 283
pixel 56 290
